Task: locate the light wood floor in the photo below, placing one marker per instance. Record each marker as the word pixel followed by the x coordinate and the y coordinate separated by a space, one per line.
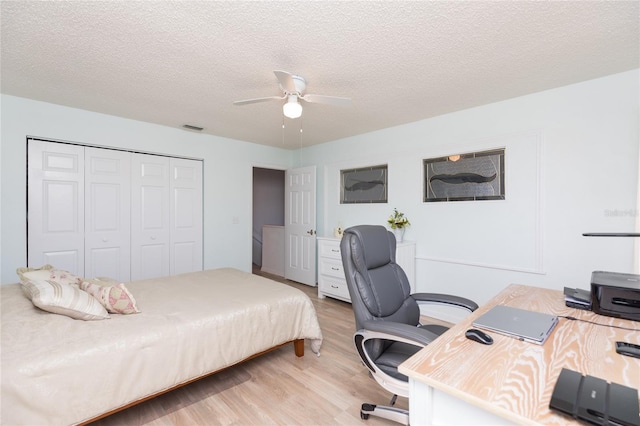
pixel 276 388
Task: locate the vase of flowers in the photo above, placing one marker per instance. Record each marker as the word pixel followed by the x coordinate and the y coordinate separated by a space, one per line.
pixel 398 223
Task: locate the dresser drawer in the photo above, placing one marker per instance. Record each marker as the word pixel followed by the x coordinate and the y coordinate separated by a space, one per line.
pixel 336 288
pixel 332 268
pixel 329 248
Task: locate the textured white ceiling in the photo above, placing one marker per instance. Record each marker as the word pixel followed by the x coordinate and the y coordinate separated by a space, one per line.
pixel 173 62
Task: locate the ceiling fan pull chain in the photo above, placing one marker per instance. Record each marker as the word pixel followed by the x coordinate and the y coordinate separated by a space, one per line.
pixel 282 130
pixel 301 121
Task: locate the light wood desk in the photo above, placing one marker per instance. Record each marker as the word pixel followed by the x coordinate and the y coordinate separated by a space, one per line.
pixel 457 381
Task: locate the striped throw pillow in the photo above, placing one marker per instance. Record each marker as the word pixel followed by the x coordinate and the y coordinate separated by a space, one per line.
pixel 64 299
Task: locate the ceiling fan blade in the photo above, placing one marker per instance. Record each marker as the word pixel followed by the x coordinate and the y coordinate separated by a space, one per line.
pixel 253 101
pixel 286 81
pixel 331 100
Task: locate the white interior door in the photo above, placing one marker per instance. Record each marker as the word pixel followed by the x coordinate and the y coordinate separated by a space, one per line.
pixel 150 211
pixel 56 206
pixel 186 216
pixel 108 214
pixel 300 225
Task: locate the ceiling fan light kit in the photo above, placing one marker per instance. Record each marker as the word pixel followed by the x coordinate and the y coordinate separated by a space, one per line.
pixel 293 87
pixel 292 108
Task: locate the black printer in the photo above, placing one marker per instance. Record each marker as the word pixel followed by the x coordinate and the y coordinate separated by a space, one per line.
pixel 615 294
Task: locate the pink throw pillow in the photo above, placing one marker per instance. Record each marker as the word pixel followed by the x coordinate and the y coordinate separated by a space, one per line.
pixel 116 299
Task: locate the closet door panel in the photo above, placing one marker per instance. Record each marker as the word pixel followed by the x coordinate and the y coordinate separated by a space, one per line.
pixel 150 217
pixel 100 212
pixel 108 214
pixel 186 216
pixel 55 205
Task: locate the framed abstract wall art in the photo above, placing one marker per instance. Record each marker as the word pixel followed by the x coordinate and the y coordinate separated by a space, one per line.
pixel 465 177
pixel 364 185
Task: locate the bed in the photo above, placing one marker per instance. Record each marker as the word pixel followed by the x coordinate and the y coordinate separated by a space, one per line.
pixel 59 370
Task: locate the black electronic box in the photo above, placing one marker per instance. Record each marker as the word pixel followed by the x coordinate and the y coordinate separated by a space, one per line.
pixel 594 400
pixel 615 294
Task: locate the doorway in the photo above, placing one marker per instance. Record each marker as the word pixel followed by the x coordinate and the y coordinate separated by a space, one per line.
pixel 268 208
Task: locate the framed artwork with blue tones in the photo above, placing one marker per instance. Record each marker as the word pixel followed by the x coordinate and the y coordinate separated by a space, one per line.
pixel 364 185
pixel 465 177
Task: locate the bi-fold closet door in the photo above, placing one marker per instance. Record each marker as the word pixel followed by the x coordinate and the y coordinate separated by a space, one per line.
pixel 166 212
pixel 100 212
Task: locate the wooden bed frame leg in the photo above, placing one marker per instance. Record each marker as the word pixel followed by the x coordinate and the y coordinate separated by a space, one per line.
pixel 298 346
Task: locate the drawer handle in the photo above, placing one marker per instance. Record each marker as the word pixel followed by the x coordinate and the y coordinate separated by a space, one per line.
pixel 335 269
pixel 334 286
pixel 335 251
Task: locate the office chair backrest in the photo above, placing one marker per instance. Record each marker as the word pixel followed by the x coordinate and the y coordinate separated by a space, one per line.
pixel 378 287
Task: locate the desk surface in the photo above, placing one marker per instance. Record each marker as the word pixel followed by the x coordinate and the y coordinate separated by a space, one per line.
pixel 515 379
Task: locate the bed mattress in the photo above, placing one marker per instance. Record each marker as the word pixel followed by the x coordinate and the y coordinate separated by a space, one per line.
pixel 57 370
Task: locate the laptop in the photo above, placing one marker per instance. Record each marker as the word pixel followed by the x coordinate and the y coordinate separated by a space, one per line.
pixel 530 326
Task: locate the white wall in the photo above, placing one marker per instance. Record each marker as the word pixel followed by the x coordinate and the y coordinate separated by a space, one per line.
pixel 571 167
pixel 228 171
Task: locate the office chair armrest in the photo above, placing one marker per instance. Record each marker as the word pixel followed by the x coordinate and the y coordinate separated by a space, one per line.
pixel 447 299
pixel 400 332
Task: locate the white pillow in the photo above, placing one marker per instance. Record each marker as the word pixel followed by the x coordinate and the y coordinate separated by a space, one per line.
pixel 48 272
pixel 64 299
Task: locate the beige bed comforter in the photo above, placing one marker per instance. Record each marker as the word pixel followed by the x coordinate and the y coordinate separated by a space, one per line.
pixel 57 370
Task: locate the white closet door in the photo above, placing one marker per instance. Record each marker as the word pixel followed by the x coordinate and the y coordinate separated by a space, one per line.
pixel 186 216
pixel 56 206
pixel 107 214
pixel 150 225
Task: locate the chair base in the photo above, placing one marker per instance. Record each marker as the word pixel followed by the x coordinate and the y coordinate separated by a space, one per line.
pixel 390 413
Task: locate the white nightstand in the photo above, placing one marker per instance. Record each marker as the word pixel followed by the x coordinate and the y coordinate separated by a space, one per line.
pixel 331 281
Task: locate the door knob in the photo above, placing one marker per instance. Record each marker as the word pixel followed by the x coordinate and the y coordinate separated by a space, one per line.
pixel 311 232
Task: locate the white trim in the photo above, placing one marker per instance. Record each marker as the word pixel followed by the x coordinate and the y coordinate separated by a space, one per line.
pixel 539 241
pixel 636 251
pixel 482 265
pixel 538 257
pixel 268 166
pixel 112 148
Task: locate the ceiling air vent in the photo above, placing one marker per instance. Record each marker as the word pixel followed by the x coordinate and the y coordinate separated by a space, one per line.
pixel 194 128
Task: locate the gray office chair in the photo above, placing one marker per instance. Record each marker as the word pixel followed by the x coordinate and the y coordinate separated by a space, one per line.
pixel 387 315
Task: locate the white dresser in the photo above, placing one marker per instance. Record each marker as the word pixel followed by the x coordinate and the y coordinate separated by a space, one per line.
pixel 331 281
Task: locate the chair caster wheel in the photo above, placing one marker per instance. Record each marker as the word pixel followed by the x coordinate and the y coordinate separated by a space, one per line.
pixel 363 411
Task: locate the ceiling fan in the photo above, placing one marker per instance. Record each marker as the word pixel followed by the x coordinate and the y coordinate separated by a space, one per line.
pixel 293 87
